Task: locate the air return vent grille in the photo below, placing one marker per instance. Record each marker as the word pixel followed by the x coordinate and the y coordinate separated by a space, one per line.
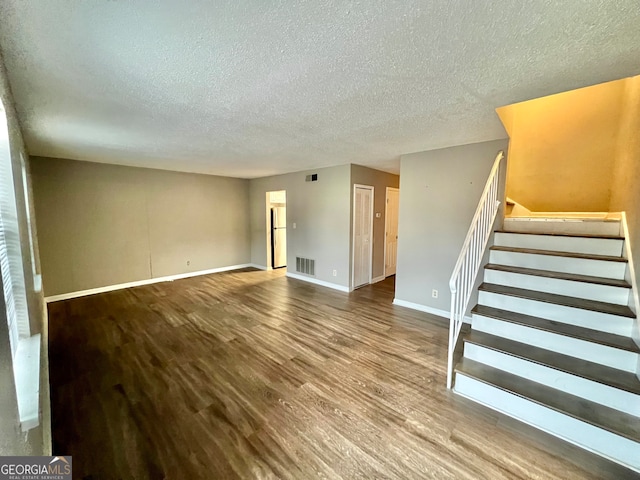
pixel 305 265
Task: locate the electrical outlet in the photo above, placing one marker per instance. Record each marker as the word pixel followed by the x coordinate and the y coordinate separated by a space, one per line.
pixel 434 293
pixel 294 225
pixel 188 262
pixel 335 273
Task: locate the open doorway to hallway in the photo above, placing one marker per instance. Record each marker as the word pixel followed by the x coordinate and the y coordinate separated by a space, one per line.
pixel 276 203
pixel 377 264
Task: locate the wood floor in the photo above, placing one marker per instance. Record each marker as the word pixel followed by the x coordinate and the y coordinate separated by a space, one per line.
pixel 249 374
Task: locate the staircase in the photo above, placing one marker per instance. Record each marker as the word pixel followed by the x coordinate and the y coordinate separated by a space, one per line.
pixel 551 336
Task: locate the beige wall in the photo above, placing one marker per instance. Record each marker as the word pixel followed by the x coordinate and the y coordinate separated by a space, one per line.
pixel 38 440
pixel 321 213
pixel 625 194
pixel 379 181
pixel 439 193
pixel 563 147
pixel 104 224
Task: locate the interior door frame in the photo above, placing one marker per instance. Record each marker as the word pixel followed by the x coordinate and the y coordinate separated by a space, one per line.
pixel 386 226
pixel 353 234
pixel 268 203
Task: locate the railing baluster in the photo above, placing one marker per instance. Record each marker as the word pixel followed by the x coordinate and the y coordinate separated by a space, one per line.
pixel 468 263
pixel 475 253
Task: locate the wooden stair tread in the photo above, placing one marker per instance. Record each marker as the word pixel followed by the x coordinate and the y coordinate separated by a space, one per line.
pixel 554 253
pixel 581 303
pixel 566 329
pixel 575 366
pixel 611 282
pixel 593 413
pixel 580 235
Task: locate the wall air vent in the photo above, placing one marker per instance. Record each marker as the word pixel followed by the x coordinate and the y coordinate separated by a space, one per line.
pixel 312 178
pixel 305 265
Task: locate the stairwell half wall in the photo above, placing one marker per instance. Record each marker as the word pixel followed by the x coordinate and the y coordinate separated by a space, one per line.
pixel 440 190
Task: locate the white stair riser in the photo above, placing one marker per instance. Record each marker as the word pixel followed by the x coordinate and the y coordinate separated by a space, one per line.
pixel 594 439
pixel 573 227
pixel 593 352
pixel 574 316
pixel 569 288
pixel 579 266
pixel 588 246
pixel 575 385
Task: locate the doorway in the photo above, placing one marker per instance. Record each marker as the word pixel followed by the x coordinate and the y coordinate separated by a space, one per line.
pixel 362 235
pixel 391 231
pixel 276 221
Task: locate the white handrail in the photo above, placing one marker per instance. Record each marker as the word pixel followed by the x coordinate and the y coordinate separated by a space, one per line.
pixel 466 270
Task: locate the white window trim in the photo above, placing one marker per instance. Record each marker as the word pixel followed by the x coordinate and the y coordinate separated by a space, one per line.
pixel 37 278
pixel 25 348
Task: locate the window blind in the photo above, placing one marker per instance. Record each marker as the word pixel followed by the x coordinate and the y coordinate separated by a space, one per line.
pixel 13 282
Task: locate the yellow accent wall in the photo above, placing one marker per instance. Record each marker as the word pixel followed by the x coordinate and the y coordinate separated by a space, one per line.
pixel 626 175
pixel 563 148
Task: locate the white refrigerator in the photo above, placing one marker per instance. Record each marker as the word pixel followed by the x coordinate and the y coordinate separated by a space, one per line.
pixel 279 237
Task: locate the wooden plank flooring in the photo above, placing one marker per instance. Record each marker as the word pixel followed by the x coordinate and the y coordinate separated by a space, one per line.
pixel 249 374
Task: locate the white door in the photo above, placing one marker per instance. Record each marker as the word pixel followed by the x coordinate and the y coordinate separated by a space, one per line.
pixel 391 231
pixel 362 234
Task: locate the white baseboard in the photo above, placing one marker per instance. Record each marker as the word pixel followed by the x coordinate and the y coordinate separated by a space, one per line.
pixel 378 279
pixel 426 309
pixel 259 267
pixel 315 281
pixel 149 281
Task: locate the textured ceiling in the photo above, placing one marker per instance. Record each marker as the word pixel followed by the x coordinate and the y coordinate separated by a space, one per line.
pixel 254 88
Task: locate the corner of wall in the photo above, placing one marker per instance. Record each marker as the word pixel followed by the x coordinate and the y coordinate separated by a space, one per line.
pixel 440 190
